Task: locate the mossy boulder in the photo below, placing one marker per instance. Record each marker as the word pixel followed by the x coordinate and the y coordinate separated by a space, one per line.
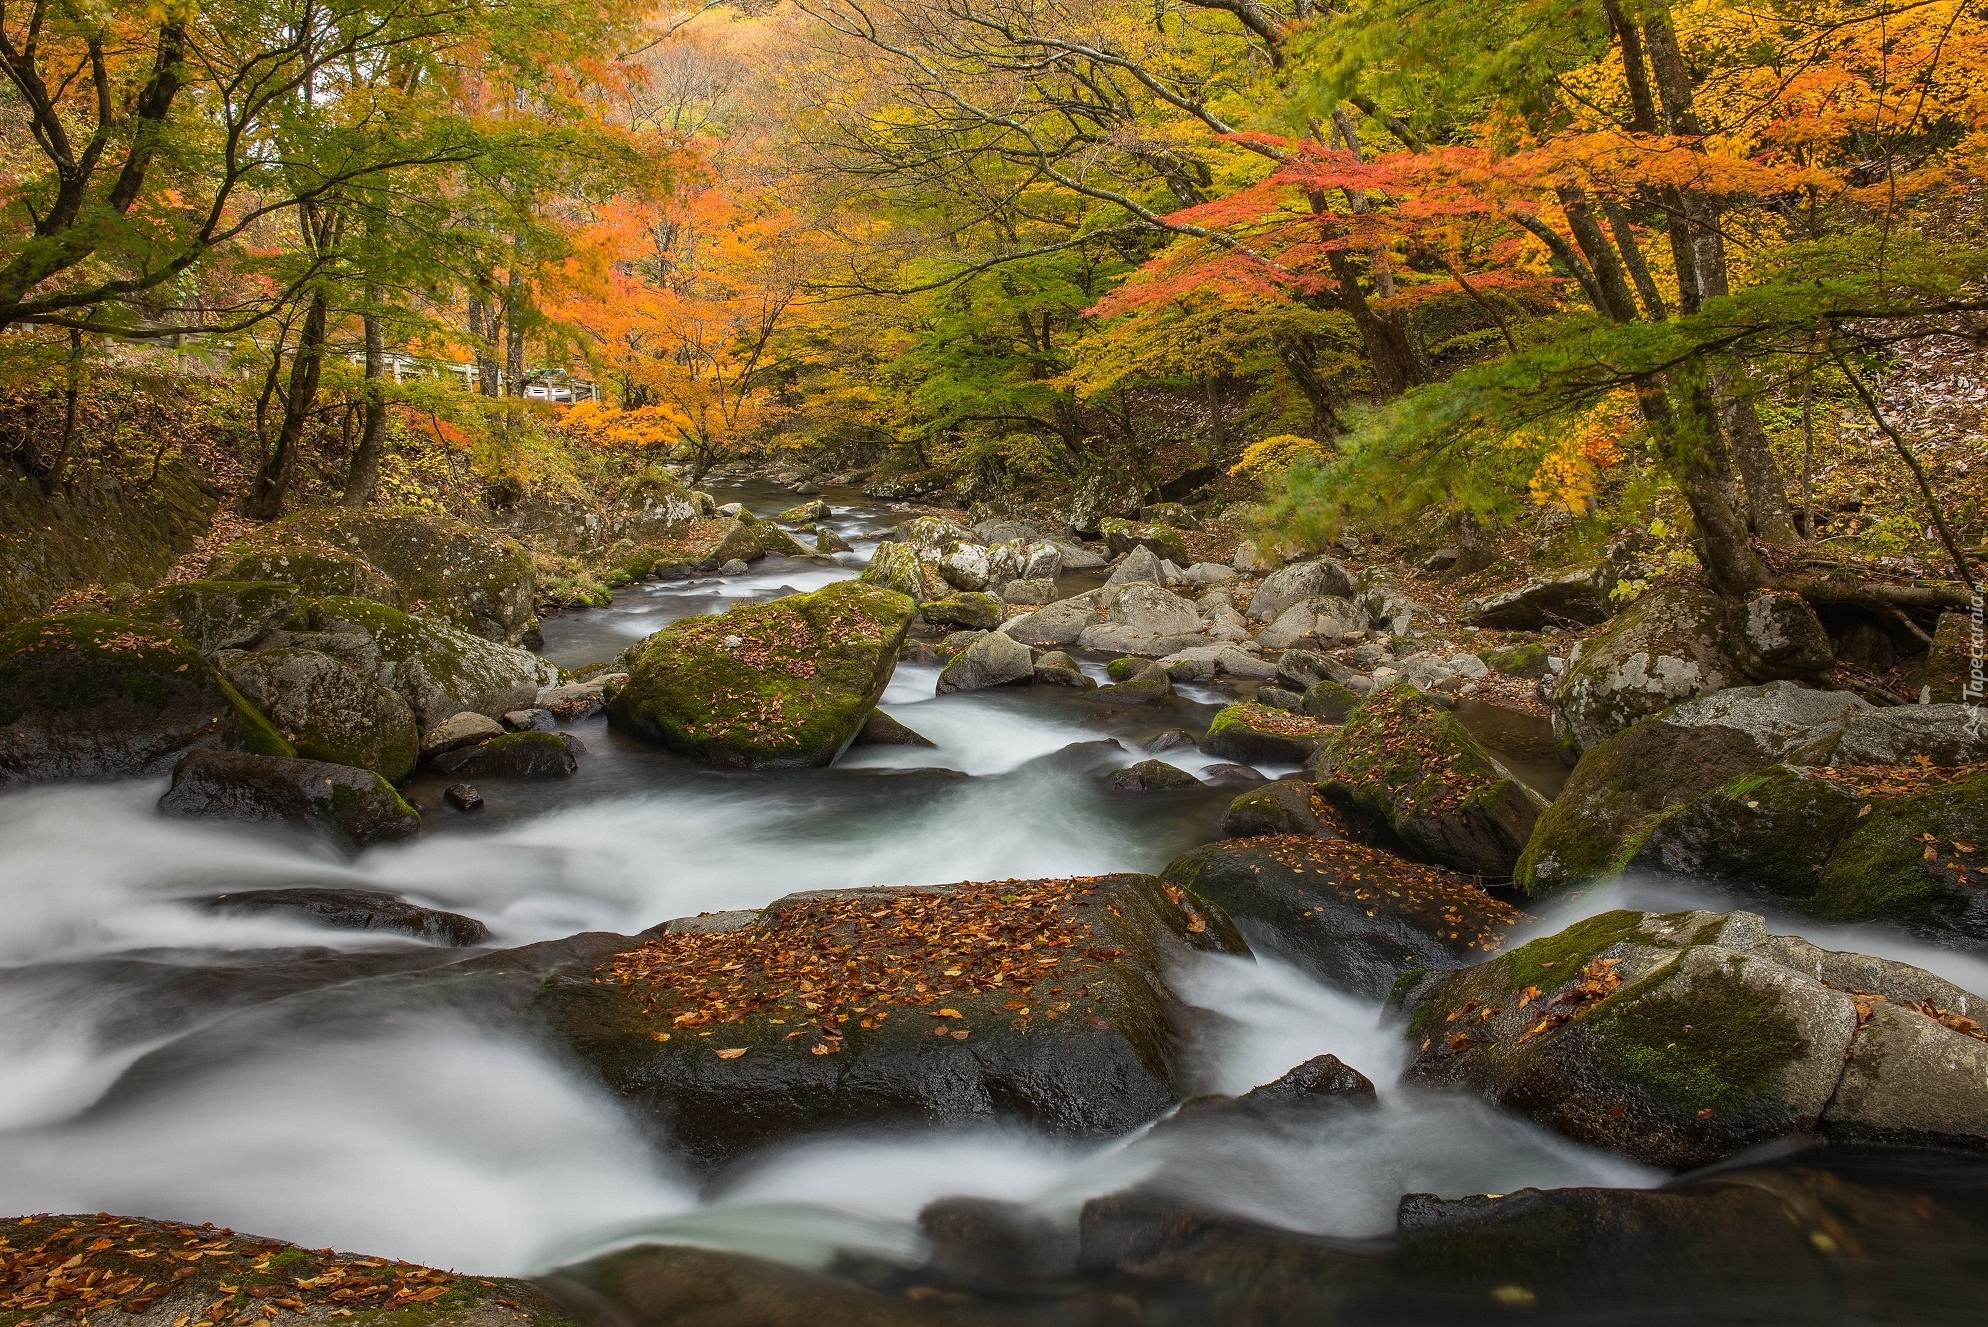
pixel 704 544
pixel 990 659
pixel 1527 660
pixel 328 710
pixel 217 615
pixel 968 609
pixel 1403 762
pixel 1326 699
pixel 1900 846
pixel 1037 1002
pixel 1672 645
pixel 90 696
pixel 1258 734
pixel 1283 806
pixel 526 755
pixel 355 808
pixel 764 686
pixel 1955 663
pixel 437 669
pixel 1122 536
pixel 897 566
pixel 414 560
pixel 1355 916
pixel 1682 1038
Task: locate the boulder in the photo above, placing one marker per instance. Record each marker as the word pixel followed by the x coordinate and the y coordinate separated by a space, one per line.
pixel 1058 669
pixel 438 670
pixel 1683 1038
pixel 89 696
pixel 415 560
pixel 1528 660
pixel 1059 623
pixel 533 720
pixel 459 730
pixel 1324 620
pixel 1779 635
pixel 1148 686
pixel 327 710
pixel 1076 557
pixel 1205 659
pixel 1355 916
pixel 572 701
pixel 1228 774
pixel 1149 610
pixel 1406 764
pixel 882 730
pixel 1001 530
pixel 1621 785
pixel 814 509
pixel 354 808
pixel 351 910
pixel 1299 581
pixel 1571 599
pixel 1139 565
pixel 1956 662
pixel 966 566
pixel 1100 494
pixel 897 567
pixel 1284 806
pixel 1044 562
pixel 1121 537
pixel 932 537
pixel 1300 668
pixel 827 541
pixel 527 755
pixel 972 609
pixel 1669 646
pixel 1904 734
pixel 1258 735
pixel 992 660
pixel 1151 776
pixel 885 1008
pixel 217 615
pixel 1326 699
pixel 1040 590
pixel 1208 573
pixel 766 686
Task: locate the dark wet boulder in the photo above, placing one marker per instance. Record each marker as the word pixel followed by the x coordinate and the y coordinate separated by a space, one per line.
pixel 354 808
pixel 1257 734
pixel 1056 668
pixel 442 568
pixel 1901 845
pixel 1326 699
pixel 1148 685
pixel 526 755
pixel 1356 916
pixel 972 608
pixel 1406 764
pixel 1122 536
pixel 1572 599
pixel 328 710
pixel 1670 646
pixel 1285 806
pixel 88 696
pixel 1151 776
pixel 217 615
pixel 1039 1002
pixel 351 910
pixel 685 1286
pixel 1682 1038
pixel 1228 774
pixel 766 686
pixel 1621 785
pixel 882 730
pixel 992 660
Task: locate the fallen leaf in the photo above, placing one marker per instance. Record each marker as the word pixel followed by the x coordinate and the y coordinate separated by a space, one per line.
pixel 732 1052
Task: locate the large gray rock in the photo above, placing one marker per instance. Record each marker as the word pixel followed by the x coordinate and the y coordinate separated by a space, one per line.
pixel 1300 580
pixel 1152 611
pixel 1198 661
pixel 1780 636
pixel 1572 599
pixel 993 660
pixel 1060 623
pixel 328 710
pixel 1325 619
pixel 1669 646
pixel 352 807
pixel 1140 565
pixel 1900 734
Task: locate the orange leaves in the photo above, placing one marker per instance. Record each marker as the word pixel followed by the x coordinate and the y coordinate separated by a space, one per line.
pixel 734 1052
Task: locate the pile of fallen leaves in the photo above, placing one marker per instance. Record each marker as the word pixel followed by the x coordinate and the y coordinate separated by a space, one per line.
pixel 1598 980
pixel 1898 780
pixel 820 963
pixel 1284 723
pixel 65 1268
pixel 1448 905
pixel 1868 1001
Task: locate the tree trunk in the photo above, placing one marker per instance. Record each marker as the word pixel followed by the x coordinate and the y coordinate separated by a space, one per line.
pixel 362 477
pixel 514 334
pixel 1689 444
pixel 484 322
pixel 1609 277
pixel 1474 549
pixel 272 482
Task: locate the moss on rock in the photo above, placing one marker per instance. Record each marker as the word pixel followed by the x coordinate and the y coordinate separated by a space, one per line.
pixel 217 615
pixel 90 696
pixel 1705 1045
pixel 1252 733
pixel 772 685
pixel 328 710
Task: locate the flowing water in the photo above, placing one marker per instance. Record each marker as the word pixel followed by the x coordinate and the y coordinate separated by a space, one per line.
pixel 162 1060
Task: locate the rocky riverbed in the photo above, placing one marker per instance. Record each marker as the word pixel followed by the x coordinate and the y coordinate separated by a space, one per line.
pixel 971 925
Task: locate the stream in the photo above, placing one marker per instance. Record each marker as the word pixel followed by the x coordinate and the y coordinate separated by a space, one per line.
pixel 160 1060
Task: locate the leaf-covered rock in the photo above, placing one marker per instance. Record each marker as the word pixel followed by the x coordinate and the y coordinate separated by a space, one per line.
pixel 1122 536
pixel 1259 734
pixel 766 686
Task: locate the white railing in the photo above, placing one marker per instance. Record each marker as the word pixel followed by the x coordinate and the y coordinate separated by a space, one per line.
pixel 549 385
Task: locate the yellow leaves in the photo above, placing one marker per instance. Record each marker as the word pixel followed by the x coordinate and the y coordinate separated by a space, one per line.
pixel 1573 455
pixel 1276 453
pixel 946 1013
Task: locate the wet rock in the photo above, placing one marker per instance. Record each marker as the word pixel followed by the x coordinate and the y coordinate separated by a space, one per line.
pixel 1669 646
pixel 1329 701
pixel 1912 1078
pixel 974 610
pixel 1319 1079
pixel 1081 1041
pixel 463 797
pixel 1121 537
pixel 454 572
pixel 327 710
pixel 1141 566
pixel 1060 623
pixel 1297 582
pixel 992 660
pixel 1230 775
pixel 816 509
pixel 766 686
pixel 1198 661
pixel 1257 735
pixel 352 910
pixel 88 696
pixel 1682 1038
pixel 459 730
pixel 530 721
pixel 1355 916
pixel 1056 668
pixel 573 701
pixel 528 755
pixel 734 567
pixel 1277 698
pixel 897 567
pixel 355 808
pixel 1299 669
pixel 1621 785
pixel 1282 807
pixel 438 670
pixel 217 615
pixel 685 1286
pixel 882 730
pixel 1151 776
pixel 1148 686
pixel 1573 599
pixel 1403 762
pixel 827 541
pixel 1173 739
pixel 988 1245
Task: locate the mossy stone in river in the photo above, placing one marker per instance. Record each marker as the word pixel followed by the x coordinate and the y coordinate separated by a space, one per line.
pixel 1259 734
pixel 772 685
pixel 328 710
pixel 90 696
pixel 972 608
pixel 1326 699
pixel 353 807
pixel 528 755
pixel 412 559
pixel 217 615
pixel 1527 660
pixel 1406 763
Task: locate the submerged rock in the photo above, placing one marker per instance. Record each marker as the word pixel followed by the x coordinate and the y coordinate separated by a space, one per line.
pixel 882 1008
pixel 1682 1038
pixel 1355 916
pixel 352 910
pixel 766 686
pixel 88 696
pixel 355 808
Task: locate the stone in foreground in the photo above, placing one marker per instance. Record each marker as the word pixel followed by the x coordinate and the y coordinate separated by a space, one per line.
pixel 355 808
pixel 766 686
pixel 1043 1002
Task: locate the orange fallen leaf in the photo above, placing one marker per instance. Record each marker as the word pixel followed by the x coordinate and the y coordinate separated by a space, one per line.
pixel 732 1052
